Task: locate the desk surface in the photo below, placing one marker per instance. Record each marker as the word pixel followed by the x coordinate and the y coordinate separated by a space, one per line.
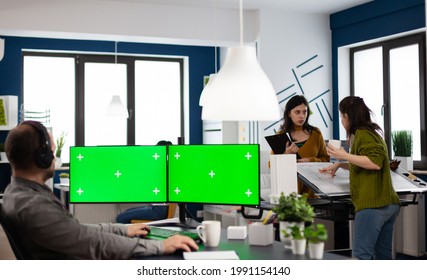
pixel 275 251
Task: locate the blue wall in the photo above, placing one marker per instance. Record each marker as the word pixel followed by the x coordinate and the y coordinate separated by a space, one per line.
pixel 372 20
pixel 201 63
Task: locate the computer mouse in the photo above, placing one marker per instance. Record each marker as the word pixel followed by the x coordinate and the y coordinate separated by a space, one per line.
pixel 181 251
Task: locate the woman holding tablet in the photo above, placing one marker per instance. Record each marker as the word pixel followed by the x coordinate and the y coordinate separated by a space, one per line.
pixel 306 141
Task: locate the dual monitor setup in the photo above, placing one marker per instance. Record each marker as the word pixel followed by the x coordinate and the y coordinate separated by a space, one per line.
pixel 223 174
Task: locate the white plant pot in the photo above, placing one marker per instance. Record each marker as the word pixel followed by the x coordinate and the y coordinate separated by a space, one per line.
pixel 315 250
pixel 284 225
pixel 3 157
pixel 64 180
pixel 58 162
pixel 406 163
pixel 298 246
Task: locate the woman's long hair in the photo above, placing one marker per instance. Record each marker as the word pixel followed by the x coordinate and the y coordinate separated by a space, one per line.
pixel 359 115
pixel 288 125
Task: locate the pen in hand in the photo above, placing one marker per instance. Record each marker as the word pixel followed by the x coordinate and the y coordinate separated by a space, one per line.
pixel 289 137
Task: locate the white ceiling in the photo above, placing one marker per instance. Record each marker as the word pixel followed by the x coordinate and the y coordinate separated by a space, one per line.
pixel 310 6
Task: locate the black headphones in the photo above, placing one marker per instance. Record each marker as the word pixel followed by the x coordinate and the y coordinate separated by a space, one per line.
pixel 43 155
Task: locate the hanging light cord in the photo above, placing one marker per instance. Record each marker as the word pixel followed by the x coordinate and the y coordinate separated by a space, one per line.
pixel 216 41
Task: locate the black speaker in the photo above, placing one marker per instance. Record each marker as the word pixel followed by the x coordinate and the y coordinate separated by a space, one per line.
pixel 44 155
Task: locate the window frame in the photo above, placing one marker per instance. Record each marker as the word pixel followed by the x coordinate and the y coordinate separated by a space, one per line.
pixel 129 60
pixel 387 45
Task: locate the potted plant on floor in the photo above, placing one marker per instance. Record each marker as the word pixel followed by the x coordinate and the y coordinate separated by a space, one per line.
pixel 316 235
pixel 293 209
pixel 402 148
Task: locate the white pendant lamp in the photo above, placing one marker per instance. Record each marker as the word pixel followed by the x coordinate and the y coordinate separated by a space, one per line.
pixel 206 89
pixel 116 108
pixel 211 76
pixel 241 91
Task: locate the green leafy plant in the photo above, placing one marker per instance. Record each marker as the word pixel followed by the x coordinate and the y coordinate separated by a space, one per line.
pixel 402 143
pixel 294 208
pixel 316 233
pixel 296 232
pixel 2 112
pixel 60 142
pixel 64 175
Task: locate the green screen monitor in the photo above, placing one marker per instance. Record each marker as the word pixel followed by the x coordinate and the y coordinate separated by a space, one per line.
pixel 118 174
pixel 226 174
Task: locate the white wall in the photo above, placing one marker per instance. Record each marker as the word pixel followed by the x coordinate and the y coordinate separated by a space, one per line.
pixel 286 41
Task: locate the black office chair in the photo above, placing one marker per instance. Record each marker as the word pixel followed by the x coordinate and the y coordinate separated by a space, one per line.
pixel 15 243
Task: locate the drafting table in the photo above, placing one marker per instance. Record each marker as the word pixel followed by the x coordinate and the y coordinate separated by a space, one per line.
pixel 339 186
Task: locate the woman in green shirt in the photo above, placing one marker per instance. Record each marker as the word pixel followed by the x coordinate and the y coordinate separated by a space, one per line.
pixel 375 201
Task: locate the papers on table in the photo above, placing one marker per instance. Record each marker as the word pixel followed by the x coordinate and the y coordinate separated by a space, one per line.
pixel 340 184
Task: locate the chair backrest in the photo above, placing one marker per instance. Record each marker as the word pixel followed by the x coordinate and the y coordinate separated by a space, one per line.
pixel 171 210
pixel 171 214
pixel 18 249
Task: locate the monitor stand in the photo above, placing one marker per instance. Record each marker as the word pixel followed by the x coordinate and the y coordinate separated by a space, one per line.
pixel 183 222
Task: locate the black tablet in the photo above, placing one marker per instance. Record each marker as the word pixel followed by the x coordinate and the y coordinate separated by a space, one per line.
pixel 277 142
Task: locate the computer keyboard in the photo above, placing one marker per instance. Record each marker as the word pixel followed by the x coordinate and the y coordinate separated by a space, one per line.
pixel 163 233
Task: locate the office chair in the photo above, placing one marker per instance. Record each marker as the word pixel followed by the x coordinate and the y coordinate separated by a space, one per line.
pixel 15 243
pixel 171 214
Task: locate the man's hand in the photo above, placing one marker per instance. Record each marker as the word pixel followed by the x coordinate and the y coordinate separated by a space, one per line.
pixel 138 229
pixel 179 242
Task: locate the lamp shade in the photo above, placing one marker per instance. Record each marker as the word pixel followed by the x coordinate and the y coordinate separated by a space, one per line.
pixel 206 89
pixel 241 90
pixel 116 108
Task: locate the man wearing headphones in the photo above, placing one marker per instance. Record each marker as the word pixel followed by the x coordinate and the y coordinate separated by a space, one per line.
pixel 45 228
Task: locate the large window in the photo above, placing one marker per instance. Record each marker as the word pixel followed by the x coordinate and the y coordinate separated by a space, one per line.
pixel 49 95
pixel 76 89
pixel 390 76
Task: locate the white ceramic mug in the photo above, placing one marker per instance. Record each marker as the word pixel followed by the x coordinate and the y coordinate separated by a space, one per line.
pixel 210 233
pixel 335 143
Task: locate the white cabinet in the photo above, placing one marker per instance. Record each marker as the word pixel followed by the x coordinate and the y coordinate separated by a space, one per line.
pixel 220 132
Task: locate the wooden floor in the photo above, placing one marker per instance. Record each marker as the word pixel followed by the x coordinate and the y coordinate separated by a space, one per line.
pixel 5 250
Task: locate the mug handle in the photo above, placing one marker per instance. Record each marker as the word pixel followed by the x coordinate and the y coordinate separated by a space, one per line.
pixel 199 227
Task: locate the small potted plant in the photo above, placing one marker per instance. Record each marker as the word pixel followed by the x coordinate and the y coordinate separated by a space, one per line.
pixel 316 234
pixel 298 240
pixel 64 178
pixel 60 142
pixel 402 148
pixel 293 209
